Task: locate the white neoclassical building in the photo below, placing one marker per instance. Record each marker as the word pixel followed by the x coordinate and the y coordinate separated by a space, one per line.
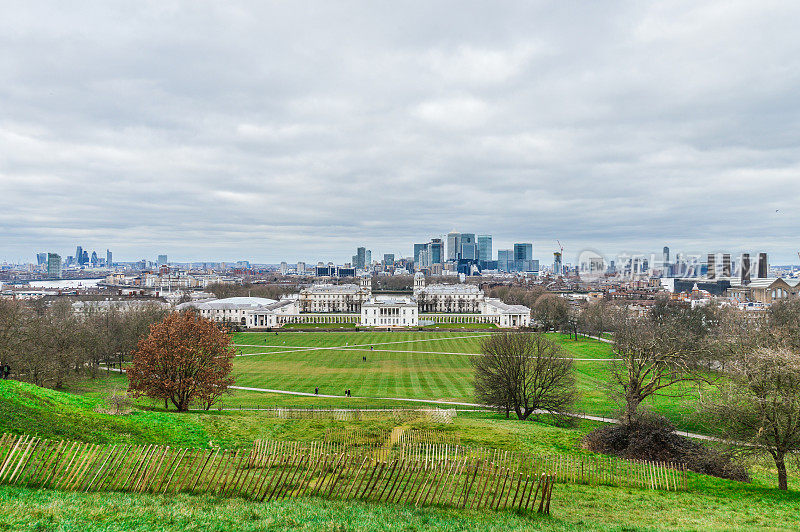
pixel 351 304
pixel 230 310
pixel 335 297
pixel 381 311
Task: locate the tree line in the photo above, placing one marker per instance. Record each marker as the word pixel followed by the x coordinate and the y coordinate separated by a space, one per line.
pixel 48 346
pixel 749 364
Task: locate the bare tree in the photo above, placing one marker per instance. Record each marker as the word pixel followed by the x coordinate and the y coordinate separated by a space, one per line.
pixel 594 320
pixel 653 355
pixel 760 407
pixel 551 311
pixel 526 373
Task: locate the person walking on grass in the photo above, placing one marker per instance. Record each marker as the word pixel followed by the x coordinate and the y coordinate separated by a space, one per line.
pixel 316 390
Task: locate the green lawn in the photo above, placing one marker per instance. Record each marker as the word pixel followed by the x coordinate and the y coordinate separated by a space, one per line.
pixel 711 504
pixel 718 506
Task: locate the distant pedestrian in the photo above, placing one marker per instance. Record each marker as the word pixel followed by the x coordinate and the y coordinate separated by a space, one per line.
pixel 5 370
pixel 364 359
pixel 316 390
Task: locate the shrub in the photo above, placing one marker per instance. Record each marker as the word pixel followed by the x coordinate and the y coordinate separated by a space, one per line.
pixel 653 437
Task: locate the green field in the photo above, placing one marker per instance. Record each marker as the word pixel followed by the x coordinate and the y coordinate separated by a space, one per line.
pixel 711 504
pixel 406 364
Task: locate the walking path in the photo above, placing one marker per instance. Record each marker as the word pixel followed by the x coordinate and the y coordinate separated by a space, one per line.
pixel 344 348
pixel 291 349
pixel 456 403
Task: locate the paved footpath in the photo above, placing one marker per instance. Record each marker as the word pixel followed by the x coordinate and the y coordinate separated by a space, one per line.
pixel 452 403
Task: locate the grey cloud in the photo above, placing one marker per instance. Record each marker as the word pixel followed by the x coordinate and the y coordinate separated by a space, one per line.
pixel 299 130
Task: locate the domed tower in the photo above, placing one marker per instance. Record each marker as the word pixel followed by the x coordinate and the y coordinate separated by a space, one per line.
pixel 419 282
pixel 366 284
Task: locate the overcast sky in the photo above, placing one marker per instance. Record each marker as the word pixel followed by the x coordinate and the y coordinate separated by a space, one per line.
pixel 299 130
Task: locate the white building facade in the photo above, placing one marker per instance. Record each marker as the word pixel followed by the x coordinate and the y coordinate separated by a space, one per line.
pixel 354 305
pixel 390 312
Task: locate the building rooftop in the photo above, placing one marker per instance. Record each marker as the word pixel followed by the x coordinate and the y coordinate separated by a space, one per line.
pixel 231 303
pixel 385 301
pixel 331 289
pixel 505 308
pixel 452 289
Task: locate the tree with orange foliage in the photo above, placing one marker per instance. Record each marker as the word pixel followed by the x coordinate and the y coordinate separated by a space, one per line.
pixel 185 358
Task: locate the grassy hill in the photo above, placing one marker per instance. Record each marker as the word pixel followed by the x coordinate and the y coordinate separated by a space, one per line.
pixel 711 504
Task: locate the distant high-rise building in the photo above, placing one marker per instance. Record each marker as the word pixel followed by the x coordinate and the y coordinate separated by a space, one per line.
pixel 41 259
pixel 95 260
pixel 360 258
pixel 505 260
pixel 453 245
pixel 53 265
pixel 484 247
pixel 85 258
pixel 744 268
pixel 388 259
pixel 301 268
pixel 726 264
pixel 79 255
pixel 436 249
pixel 162 260
pixel 523 251
pixel 711 273
pixel 418 248
pixel 109 261
pixel 468 248
pixel 284 268
pixel 763 266
pixel 557 267
pixel 368 258
pixel 666 255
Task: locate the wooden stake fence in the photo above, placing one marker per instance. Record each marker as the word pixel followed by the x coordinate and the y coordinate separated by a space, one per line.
pixel 275 470
pixel 579 469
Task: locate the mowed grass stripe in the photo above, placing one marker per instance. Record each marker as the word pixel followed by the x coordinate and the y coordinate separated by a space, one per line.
pixel 423 375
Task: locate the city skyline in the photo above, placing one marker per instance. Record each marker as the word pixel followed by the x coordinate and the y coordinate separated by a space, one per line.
pixel 279 135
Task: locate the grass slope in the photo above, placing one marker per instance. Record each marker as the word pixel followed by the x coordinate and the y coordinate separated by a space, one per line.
pixel 712 504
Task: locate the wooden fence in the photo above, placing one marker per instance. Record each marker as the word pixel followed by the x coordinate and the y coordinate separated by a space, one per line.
pixel 395 436
pixel 579 469
pixel 438 415
pixel 273 470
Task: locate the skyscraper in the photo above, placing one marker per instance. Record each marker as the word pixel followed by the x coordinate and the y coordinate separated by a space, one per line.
pixel 79 255
pixel 53 265
pixel 109 261
pixel 523 251
pixel 435 251
pixel 41 259
pixel 453 245
pixel 744 269
pixel 418 248
pixel 388 259
pixel 468 249
pixel 484 247
pixel 726 264
pixel 557 267
pixel 162 260
pixel 360 258
pixel 95 260
pixel 368 258
pixel 711 273
pixel 505 260
pixel 763 267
